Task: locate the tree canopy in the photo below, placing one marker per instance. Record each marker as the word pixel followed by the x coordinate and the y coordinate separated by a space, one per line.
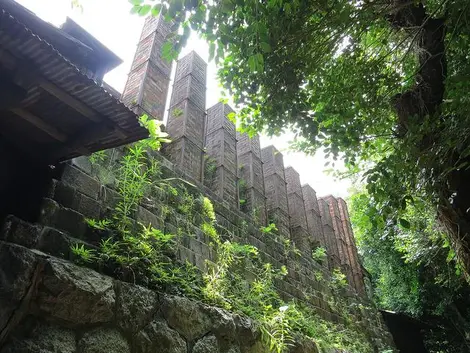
pixel 381 84
pixel 413 271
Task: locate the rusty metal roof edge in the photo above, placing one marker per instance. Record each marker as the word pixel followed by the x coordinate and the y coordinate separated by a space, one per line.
pixel 68 62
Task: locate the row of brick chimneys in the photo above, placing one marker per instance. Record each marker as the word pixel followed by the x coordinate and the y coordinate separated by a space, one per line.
pixel 206 146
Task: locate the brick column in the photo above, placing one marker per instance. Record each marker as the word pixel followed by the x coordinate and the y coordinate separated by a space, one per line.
pixel 314 221
pixel 329 234
pixel 220 172
pixel 276 189
pixel 356 267
pixel 298 217
pixel 251 179
pixel 186 119
pixel 146 89
pixel 340 236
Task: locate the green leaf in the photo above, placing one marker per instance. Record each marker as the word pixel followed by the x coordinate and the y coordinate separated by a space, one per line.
pixel 232 117
pixel 265 47
pixel 211 51
pixel 144 10
pixel 156 9
pixel 404 223
pixel 168 52
pixel 136 2
pixel 252 63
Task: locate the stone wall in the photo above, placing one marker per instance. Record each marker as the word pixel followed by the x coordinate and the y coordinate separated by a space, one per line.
pixel 79 194
pixel 49 305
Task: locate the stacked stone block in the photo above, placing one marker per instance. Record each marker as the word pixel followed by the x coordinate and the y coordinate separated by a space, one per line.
pixel 146 89
pixel 298 218
pixel 345 261
pixel 221 158
pixel 186 120
pixel 276 189
pixel 314 221
pixel 356 268
pixel 329 234
pixel 251 179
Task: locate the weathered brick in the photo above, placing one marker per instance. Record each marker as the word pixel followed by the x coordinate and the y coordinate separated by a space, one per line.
pixel 221 149
pixel 276 193
pixel 187 156
pixel 191 64
pixel 250 170
pixel 273 162
pixel 298 217
pixel 187 120
pixel 81 181
pixel 217 118
pixel 254 205
pixel 293 181
pixel 246 144
pixel 189 88
pixel 147 85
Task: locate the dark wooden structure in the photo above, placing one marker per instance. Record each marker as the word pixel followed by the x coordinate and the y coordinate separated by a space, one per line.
pixel 53 105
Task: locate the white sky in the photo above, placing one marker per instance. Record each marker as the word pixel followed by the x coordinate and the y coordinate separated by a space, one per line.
pixel 111 23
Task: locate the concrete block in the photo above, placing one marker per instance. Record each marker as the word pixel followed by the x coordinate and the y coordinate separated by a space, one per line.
pixel 217 119
pixel 247 144
pixel 187 120
pixel 276 192
pixel 250 169
pixel 81 181
pixel 273 162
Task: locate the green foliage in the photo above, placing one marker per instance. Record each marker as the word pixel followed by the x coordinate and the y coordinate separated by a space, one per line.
pixel 209 230
pixel 319 254
pixel 237 280
pixel 414 270
pixel 101 224
pixel 210 169
pixel 242 189
pixel 133 251
pixel 82 254
pixel 177 112
pixel 269 229
pixel 338 279
pixel 277 332
pixel 98 157
pixel 208 209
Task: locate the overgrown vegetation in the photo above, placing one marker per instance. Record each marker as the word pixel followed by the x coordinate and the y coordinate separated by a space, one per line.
pixel 414 270
pixel 235 278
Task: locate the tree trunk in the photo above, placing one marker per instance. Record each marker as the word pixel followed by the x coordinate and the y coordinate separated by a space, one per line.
pixel 422 103
pixel 454 207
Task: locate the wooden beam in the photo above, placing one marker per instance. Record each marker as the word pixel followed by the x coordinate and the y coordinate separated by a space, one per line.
pixel 76 104
pixel 88 135
pixel 40 124
pixel 69 100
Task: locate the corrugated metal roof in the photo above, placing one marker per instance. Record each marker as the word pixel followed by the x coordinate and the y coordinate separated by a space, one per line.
pixel 19 40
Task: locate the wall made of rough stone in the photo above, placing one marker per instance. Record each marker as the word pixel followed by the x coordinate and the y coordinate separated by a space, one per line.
pixel 50 305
